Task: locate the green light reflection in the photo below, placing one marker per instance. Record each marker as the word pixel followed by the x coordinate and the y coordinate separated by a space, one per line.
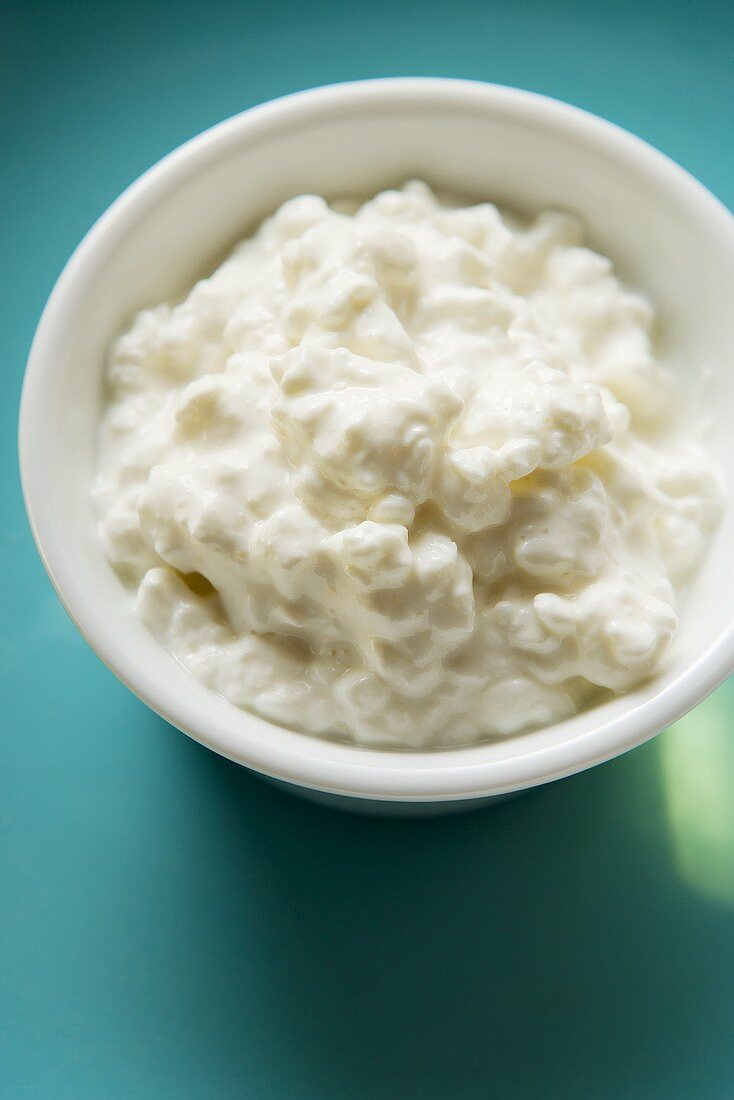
pixel 697 761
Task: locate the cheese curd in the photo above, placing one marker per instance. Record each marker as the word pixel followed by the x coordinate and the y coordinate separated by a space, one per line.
pixel 404 473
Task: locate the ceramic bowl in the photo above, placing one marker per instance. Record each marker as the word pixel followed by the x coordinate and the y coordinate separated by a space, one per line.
pixel 667 236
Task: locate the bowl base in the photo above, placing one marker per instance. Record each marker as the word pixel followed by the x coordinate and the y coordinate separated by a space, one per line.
pixel 383 808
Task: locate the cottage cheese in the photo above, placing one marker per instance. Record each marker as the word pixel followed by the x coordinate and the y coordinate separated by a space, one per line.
pixel 404 473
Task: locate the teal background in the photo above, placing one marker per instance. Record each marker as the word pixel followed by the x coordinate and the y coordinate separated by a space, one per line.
pixel 170 926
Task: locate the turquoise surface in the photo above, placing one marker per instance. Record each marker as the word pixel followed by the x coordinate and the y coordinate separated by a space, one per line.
pixel 170 927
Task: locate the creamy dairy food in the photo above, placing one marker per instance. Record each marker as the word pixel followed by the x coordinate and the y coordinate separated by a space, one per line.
pixel 404 473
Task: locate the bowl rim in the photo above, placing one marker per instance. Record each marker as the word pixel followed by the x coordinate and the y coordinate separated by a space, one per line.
pixel 336 768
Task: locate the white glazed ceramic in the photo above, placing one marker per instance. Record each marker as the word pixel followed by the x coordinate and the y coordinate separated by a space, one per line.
pixel 666 234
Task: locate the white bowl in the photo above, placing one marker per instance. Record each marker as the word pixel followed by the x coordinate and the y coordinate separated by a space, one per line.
pixel 666 234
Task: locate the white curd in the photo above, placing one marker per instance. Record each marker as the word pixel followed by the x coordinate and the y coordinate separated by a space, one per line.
pixel 404 473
